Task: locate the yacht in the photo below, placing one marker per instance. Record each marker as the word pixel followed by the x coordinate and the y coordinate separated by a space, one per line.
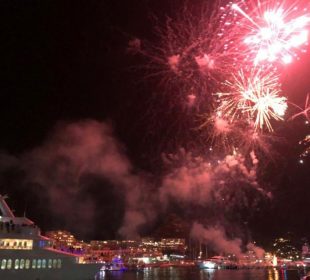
pixel 217 262
pixel 208 264
pixel 26 254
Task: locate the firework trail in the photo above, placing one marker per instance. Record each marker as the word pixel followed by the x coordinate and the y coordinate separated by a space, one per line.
pixel 218 130
pixel 273 32
pixel 253 97
pixel 303 111
pixel 227 135
pixel 193 50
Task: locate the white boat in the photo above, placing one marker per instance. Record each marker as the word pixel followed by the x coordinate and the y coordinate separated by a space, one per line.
pixel 26 254
pixel 208 264
pixel 217 262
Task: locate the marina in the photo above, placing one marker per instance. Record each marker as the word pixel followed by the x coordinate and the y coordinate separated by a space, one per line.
pixel 26 254
pixel 155 140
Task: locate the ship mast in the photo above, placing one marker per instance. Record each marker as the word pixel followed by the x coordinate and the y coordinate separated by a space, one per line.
pixel 6 211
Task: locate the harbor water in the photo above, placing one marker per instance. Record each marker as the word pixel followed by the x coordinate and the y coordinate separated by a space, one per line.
pixel 174 273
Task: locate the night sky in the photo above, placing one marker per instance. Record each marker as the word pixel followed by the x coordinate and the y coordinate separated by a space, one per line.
pixel 68 82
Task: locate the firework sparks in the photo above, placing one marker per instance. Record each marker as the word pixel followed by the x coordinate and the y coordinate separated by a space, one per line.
pixel 194 49
pixel 254 96
pixel 306 144
pixel 220 131
pixel 303 111
pixel 274 33
pixel 203 45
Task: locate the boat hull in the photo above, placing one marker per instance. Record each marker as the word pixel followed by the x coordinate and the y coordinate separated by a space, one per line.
pixel 73 272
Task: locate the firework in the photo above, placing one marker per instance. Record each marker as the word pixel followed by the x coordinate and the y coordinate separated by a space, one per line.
pixel 254 98
pixel 272 32
pixel 193 50
pixel 303 111
pixel 223 134
pixel 203 45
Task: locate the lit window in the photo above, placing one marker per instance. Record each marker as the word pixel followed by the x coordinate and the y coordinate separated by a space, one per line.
pixel 22 264
pixel 9 264
pixel 34 264
pixel 27 264
pixel 59 263
pixel 49 263
pixel 16 264
pixel 39 264
pixel 16 244
pixel 54 263
pixel 3 264
pixel 44 263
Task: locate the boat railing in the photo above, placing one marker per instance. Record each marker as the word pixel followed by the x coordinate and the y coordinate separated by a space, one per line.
pixel 11 228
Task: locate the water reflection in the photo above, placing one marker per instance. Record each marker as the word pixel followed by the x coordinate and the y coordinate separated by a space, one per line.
pixel 173 273
pixel 273 274
pixel 284 274
pixel 207 274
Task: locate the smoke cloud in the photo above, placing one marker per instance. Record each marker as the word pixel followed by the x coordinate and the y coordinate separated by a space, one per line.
pixel 197 180
pixel 223 188
pixel 217 239
pixel 67 163
pixel 259 252
pixel 73 152
pixel 76 154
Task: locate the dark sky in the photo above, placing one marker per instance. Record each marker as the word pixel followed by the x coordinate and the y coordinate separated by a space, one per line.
pixel 67 61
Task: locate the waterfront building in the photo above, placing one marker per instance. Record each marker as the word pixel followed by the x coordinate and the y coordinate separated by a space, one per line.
pixel 284 249
pixel 173 245
pixel 107 249
pixel 62 238
pixel 66 241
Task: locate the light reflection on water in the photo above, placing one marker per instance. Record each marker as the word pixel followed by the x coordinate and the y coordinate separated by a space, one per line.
pixel 273 274
pixel 200 274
